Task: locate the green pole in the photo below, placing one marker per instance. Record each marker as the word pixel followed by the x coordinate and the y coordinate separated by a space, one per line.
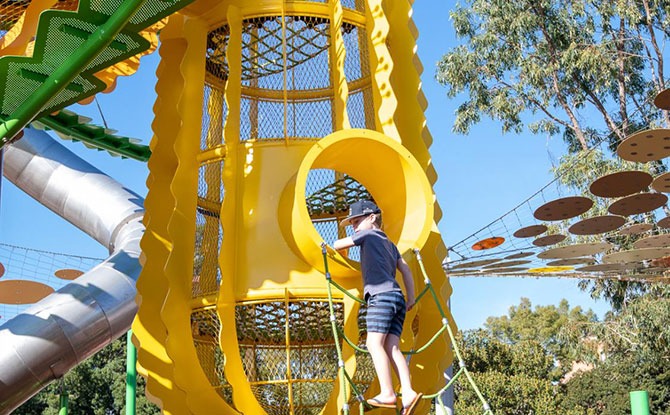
pixel 131 374
pixel 69 70
pixel 639 403
pixel 63 399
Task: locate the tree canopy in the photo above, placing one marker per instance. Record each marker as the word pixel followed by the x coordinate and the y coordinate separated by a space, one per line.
pixel 565 62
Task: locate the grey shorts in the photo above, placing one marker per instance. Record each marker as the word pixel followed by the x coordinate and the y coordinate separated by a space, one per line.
pixel 386 312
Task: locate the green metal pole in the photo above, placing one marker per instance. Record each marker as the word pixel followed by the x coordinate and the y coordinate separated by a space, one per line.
pixel 69 70
pixel 131 374
pixel 639 403
pixel 63 399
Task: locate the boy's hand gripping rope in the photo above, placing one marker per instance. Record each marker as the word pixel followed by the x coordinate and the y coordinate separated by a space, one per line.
pixel 337 332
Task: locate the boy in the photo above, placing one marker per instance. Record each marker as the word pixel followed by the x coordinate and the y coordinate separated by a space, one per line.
pixel 385 302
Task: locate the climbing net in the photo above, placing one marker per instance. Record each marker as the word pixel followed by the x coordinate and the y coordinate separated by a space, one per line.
pixel 51 270
pixel 346 381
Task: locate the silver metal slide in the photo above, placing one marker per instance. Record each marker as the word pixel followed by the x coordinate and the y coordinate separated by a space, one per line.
pixel 49 338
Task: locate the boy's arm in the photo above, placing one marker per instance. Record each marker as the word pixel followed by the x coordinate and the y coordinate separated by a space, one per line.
pixel 343 243
pixel 408 280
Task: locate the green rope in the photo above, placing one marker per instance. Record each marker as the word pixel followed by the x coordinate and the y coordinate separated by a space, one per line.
pixel 339 332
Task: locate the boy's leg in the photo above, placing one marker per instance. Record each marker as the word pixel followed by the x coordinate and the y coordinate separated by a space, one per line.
pixel 392 348
pixel 375 343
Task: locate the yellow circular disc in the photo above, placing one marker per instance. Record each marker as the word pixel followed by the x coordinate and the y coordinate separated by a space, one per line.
pixel 542 270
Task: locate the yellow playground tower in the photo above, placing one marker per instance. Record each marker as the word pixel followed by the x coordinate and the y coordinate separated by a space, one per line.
pixel 272 117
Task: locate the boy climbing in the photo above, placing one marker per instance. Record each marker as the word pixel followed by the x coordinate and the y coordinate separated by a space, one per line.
pixel 385 302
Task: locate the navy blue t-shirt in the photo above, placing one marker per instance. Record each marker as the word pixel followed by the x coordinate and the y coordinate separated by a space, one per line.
pixel 379 259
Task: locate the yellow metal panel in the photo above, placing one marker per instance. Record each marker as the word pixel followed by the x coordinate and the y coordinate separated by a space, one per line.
pixel 152 286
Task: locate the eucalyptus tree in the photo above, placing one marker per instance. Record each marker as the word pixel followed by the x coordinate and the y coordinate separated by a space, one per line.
pixel 581 68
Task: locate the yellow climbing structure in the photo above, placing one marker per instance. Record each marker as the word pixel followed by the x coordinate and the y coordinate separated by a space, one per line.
pixel 271 118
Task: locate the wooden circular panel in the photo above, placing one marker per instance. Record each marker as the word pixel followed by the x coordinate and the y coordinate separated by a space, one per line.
pixel 504 270
pixel 532 230
pixel 636 229
pixel 488 243
pixel 662 100
pixel 662 183
pixel 648 145
pixel 638 203
pixel 573 251
pixel 474 264
pixel 506 264
pixel 637 255
pixel 544 270
pixel 565 208
pixel 549 240
pixel 664 223
pixel 571 261
pixel 2 269
pixel 621 183
pixel 520 255
pixel 68 274
pixel 23 291
pixel 608 267
pixel 596 225
pixel 656 241
pixel 663 262
pixel 464 272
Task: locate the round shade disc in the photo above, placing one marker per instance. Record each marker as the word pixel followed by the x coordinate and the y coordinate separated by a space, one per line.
pixel 508 270
pixel 609 267
pixel 664 223
pixel 577 250
pixel 543 270
pixel 662 100
pixel 2 269
pixel 637 255
pixel 565 208
pixel 520 255
pixel 464 272
pixel 488 243
pixel 656 241
pixel 636 229
pixel 662 183
pixel 596 225
pixel 638 203
pixel 621 183
pixel 68 274
pixel 506 264
pixel 571 261
pixel 549 240
pixel 648 145
pixel 23 291
pixel 532 230
pixel 474 264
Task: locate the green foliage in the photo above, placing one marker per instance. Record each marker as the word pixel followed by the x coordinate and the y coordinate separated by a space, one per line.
pixel 520 361
pixel 560 61
pixel 96 387
pixel 635 346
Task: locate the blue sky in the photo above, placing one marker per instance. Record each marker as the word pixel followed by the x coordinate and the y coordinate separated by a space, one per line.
pixel 480 177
